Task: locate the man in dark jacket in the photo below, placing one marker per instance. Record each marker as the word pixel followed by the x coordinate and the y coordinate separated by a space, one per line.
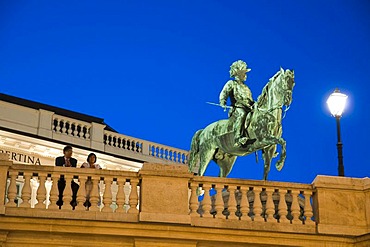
pixel 66 161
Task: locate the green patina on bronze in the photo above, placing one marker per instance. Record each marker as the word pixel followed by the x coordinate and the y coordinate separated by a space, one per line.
pixel 251 126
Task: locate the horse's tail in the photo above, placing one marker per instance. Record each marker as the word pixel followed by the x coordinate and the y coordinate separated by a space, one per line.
pixel 194 151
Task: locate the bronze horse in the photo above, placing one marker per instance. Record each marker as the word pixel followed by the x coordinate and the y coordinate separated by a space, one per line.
pixel 264 131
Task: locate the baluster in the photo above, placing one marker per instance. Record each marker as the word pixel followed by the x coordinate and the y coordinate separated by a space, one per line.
pixel 257 205
pixel 178 157
pixel 124 143
pixel 75 131
pixel 308 209
pixel 115 141
pixel 107 197
pixel 141 147
pixel 186 159
pixel 295 209
pixel 87 135
pixel 127 191
pixel 26 191
pixel 81 193
pixel 57 127
pixel 127 144
pixel 94 194
pixel 166 154
pixel 244 205
pixel 194 199
pixel 219 205
pixel 129 147
pixel 119 142
pixel 53 124
pixel 206 202
pixel 67 193
pixel 270 206
pixel 80 133
pixel 54 193
pixel 41 192
pixel 109 140
pixel 133 197
pixel 232 203
pixel 12 192
pixel 64 129
pixel 69 130
pixel 283 209
pixel 134 147
pixel 120 199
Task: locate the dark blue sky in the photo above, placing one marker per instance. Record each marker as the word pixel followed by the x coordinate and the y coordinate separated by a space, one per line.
pixel 148 67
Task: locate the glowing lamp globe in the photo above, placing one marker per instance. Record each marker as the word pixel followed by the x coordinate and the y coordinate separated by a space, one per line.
pixel 336 103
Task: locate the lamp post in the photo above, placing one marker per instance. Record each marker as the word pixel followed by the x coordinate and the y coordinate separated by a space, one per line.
pixel 336 103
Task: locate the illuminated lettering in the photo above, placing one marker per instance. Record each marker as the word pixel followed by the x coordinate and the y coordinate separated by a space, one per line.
pixel 23 158
pixel 31 159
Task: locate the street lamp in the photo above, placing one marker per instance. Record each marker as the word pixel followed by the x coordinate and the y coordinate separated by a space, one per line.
pixel 337 103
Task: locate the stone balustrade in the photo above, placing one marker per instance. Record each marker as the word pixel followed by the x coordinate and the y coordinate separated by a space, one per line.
pixel 252 201
pixel 114 141
pixel 71 127
pixel 170 194
pixel 102 194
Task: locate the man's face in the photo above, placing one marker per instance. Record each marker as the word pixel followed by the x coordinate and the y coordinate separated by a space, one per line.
pixel 68 153
pixel 241 76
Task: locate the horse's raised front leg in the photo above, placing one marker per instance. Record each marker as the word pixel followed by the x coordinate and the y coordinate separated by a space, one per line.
pixel 269 144
pixel 280 163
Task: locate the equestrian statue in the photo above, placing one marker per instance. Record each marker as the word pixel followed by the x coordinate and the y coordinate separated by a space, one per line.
pixel 251 126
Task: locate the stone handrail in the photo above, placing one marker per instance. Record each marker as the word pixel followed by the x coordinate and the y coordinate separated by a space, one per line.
pixel 147 148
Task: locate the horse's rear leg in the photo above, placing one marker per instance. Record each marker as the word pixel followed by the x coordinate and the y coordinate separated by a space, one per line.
pixel 205 156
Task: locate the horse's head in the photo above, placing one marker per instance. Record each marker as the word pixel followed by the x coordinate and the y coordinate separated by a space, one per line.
pixel 278 91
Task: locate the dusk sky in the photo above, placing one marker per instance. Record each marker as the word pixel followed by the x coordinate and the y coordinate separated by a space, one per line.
pixel 149 67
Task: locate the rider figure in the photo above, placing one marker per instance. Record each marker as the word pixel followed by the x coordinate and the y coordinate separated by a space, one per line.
pixel 240 97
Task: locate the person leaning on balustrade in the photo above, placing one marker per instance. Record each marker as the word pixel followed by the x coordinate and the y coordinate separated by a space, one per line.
pixel 66 161
pixel 91 163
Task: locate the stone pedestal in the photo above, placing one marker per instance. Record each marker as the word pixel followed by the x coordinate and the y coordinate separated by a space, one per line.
pixel 164 193
pixel 97 136
pixel 45 123
pixel 4 167
pixel 343 205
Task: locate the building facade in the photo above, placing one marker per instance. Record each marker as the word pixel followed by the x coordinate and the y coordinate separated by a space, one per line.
pixel 145 196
